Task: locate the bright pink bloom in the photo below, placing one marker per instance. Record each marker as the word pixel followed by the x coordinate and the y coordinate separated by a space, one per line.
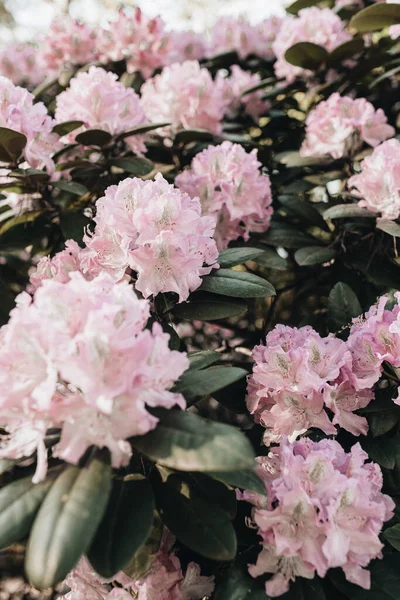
pixel 155 229
pixel 319 26
pixel 338 126
pixel 233 87
pixel 186 96
pixel 378 184
pixel 231 188
pixel 101 102
pixel 19 112
pixel 237 34
pixel 18 62
pixel 326 510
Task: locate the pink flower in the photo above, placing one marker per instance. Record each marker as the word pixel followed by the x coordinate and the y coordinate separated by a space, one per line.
pixel 101 102
pixel 231 188
pixel 234 86
pixel 237 34
pixel 67 42
pixel 155 229
pixel 19 112
pixel 141 41
pixel 338 126
pixel 59 267
pixel 18 62
pixel 342 3
pixel 186 45
pixel 394 31
pixel 326 510
pixel 186 96
pixel 378 184
pixel 319 26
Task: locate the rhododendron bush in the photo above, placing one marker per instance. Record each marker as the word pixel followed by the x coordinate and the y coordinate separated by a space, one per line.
pixel 200 306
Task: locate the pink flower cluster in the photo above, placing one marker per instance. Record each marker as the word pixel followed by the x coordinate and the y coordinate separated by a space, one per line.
pixel 163 581
pixel 186 96
pixel 101 102
pixel 67 43
pixel 19 112
pixel 325 510
pixel 186 45
pixel 59 267
pixel 78 357
pixel 233 88
pixel 18 62
pixel 319 26
pixel 337 127
pixel 231 188
pixel 156 230
pixel 297 374
pixel 237 34
pixel 378 184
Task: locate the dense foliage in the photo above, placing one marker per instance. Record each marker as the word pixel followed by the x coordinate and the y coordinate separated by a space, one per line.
pixel 200 341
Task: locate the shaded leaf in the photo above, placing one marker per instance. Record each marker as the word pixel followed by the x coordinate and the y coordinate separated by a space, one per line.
pixel 134 165
pixel 246 479
pixel 142 129
pixel 392 535
pixel 375 17
pixel 66 127
pixel 381 450
pixel 343 306
pixel 306 55
pixel 201 359
pixel 304 210
pixel 94 137
pixel 383 422
pixel 209 307
pixel 73 225
pixel 294 8
pixel 390 227
pixel 344 211
pixel 194 384
pixel 237 256
pixel 313 255
pixel 237 584
pixel 70 186
pixel 346 50
pixel 288 236
pixel 270 259
pixel 193 135
pixel 237 284
pixel 11 144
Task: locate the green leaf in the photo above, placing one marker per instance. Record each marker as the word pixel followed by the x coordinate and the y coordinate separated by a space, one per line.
pixel 376 17
pixel 186 442
pixel 385 580
pixel 305 589
pixel 11 144
pixel 282 234
pixel 237 256
pixel 134 165
pixel 270 259
pixel 19 503
pixel 125 527
pixel 304 210
pixel 259 86
pixel 344 211
pixel 209 307
pixel 292 158
pixel 246 479
pixel 237 284
pixel 306 55
pixel 294 8
pixel 66 127
pixel 33 175
pixel 66 523
pixel 343 306
pixel 193 135
pixel 94 137
pixel 381 450
pixel 142 560
pixel 41 89
pixel 346 50
pixel 313 255
pixel 142 129
pixel 73 225
pixel 390 227
pixel 195 384
pixel 237 584
pixel 392 535
pixel 22 219
pixel 212 491
pixel 201 526
pixel 70 186
pixel 383 422
pixel 200 359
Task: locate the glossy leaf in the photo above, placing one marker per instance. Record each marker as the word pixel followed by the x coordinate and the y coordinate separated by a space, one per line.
pixel 195 384
pixel 209 307
pixel 246 479
pixel 94 137
pixel 313 255
pixel 11 144
pixel 392 535
pixel 70 186
pixel 134 165
pixel 237 284
pixel 237 256
pixel 140 129
pixel 346 211
pixel 343 306
pixel 202 359
pixel 306 55
pixel 66 127
pixel 375 17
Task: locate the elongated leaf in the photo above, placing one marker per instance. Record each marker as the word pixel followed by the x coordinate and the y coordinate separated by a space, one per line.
pixel 270 259
pixel 384 421
pixel 392 535
pixel 304 210
pixel 345 211
pixel 195 384
pixel 313 255
pixel 187 442
pixel 94 137
pixel 140 129
pixel 70 186
pixel 193 135
pixel 259 86
pixel 282 234
pixel 237 584
pixel 22 219
pixel 66 523
pixel 237 256
pixel 246 479
pixel 142 560
pixel 306 55
pixel 390 227
pixel 134 165
pixel 209 307
pixel 125 527
pixel 294 8
pixel 343 306
pixel 346 50
pixel 19 503
pixel 376 17
pixel 66 127
pixel 237 284
pixel 381 450
pixel 202 359
pixel 201 526
pixel 11 144
pixel 291 159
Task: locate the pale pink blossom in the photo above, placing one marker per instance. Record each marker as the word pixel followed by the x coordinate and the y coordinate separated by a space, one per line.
pixel 59 267
pixel 155 229
pixel 394 32
pixel 326 510
pixel 19 62
pixel 339 125
pixel 233 88
pixel 186 96
pixel 237 34
pixel 343 3
pixel 319 26
pixel 378 184
pixel 231 188
pixel 101 102
pixel 186 45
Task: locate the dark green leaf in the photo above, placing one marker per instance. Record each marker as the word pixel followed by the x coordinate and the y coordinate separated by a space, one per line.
pixel 70 186
pixel 212 491
pixel 73 225
pixel 381 450
pixel 34 175
pixel 237 284
pixel 344 211
pixel 11 144
pixel 343 306
pixel 246 479
pixel 66 523
pixel 193 135
pixel 94 137
pixel 346 50
pixel 303 209
pixel 125 527
pixel 294 8
pixel 26 217
pixel 66 127
pixel 134 165
pixel 259 86
pixel 237 584
pixel 195 384
pixel 305 589
pixel 390 227
pixel 270 259
pixel 142 129
pixel 237 256
pixel 209 307
pixel 142 560
pixel 376 17
pixel 282 234
pixel 187 442
pixel 313 255
pixel 306 55
pixel 382 422
pixel 392 535
pixel 201 359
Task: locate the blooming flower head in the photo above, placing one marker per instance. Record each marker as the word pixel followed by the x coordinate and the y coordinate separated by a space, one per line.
pixel 338 125
pixel 19 112
pixel 231 188
pixel 237 34
pixel 78 358
pixel 327 511
pixel 59 267
pixel 155 229
pixel 319 26
pixel 378 184
pixel 18 62
pixel 233 87
pixel 67 43
pixel 141 41
pixel 186 96
pixel 101 102
pixel 186 45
